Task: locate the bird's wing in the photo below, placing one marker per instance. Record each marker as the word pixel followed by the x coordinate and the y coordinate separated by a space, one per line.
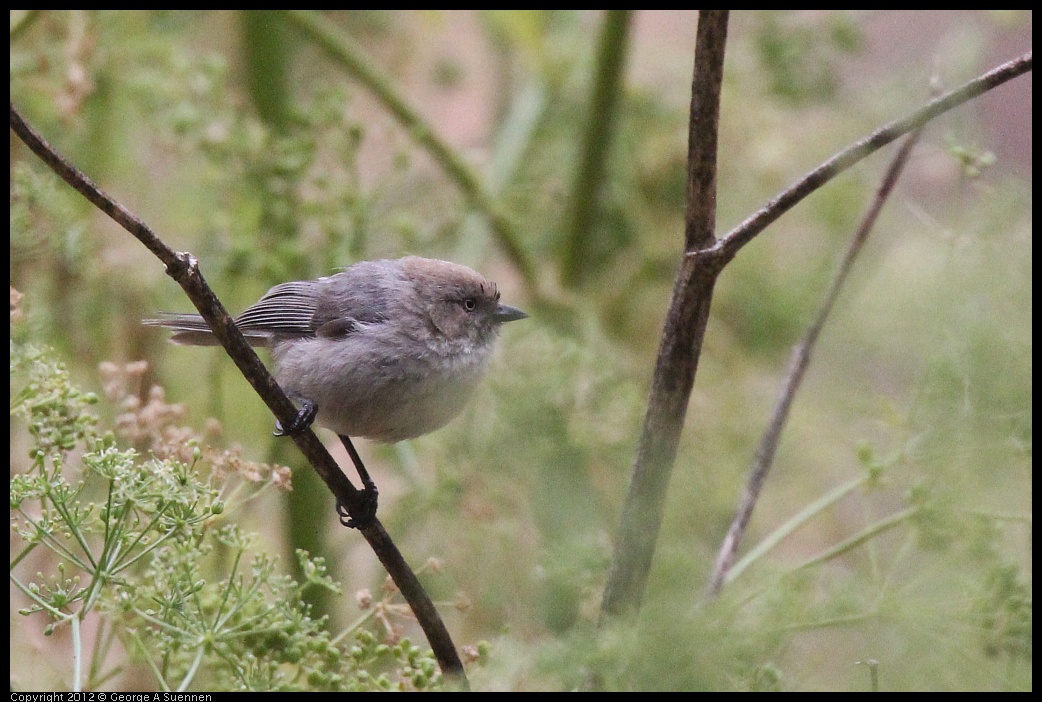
pixel 285 309
pixel 359 296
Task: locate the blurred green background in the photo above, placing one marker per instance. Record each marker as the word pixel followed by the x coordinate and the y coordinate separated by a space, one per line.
pixel 235 136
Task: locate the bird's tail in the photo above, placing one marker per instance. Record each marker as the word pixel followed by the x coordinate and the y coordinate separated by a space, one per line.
pixel 192 330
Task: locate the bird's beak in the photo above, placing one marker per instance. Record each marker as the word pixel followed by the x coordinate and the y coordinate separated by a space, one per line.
pixel 506 313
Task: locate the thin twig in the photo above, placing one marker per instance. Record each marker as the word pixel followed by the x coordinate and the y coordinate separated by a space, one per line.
pixel 801 354
pixel 747 230
pixel 797 521
pixel 183 268
pixel 684 329
pixel 733 241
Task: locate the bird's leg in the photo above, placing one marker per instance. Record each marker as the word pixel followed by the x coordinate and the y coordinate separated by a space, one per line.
pixel 368 495
pixel 365 509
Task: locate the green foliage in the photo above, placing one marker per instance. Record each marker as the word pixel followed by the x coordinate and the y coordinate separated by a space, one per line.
pixel 140 548
pixel 1006 614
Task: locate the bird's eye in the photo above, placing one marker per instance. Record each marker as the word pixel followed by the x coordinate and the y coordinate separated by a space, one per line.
pixel 470 303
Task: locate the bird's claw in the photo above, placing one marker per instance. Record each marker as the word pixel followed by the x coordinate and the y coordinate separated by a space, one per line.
pixel 366 510
pixel 304 419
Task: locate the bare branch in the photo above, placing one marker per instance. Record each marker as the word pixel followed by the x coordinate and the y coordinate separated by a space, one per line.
pixel 680 348
pixel 801 354
pixel 681 338
pixel 741 235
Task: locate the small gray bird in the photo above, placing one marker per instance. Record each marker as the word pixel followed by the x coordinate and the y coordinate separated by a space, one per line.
pixel 386 350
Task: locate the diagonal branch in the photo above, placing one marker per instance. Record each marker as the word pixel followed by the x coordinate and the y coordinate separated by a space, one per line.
pixel 184 268
pixel 741 235
pixel 801 354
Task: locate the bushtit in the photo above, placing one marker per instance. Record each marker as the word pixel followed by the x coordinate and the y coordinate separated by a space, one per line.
pixel 386 350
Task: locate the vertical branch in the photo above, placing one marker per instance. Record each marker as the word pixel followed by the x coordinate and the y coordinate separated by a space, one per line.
pixel 703 130
pixel 682 336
